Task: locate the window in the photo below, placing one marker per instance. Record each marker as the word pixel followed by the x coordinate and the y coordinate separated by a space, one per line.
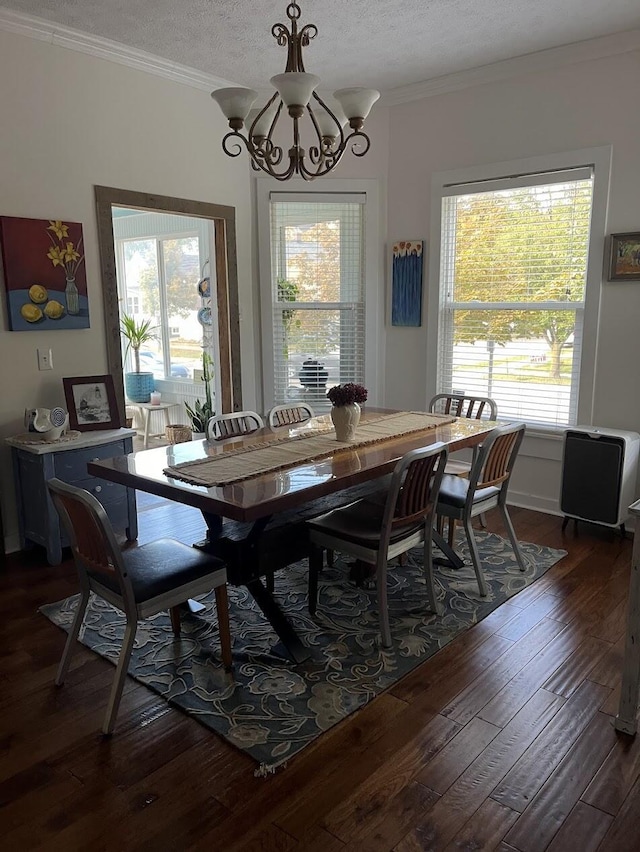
pixel 314 316
pixel 514 261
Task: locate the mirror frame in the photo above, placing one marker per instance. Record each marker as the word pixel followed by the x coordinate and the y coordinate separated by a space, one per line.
pixel 226 265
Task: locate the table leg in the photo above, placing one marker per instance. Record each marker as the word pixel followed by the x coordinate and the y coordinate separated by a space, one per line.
pixel 147 420
pixel 290 645
pixel 451 558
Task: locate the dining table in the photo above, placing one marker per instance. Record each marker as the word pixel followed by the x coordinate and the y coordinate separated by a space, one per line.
pixel 256 491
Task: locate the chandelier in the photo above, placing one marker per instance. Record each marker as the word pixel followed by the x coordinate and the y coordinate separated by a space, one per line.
pixel 295 91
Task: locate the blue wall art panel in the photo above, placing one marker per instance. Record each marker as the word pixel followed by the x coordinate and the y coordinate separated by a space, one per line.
pixel 406 283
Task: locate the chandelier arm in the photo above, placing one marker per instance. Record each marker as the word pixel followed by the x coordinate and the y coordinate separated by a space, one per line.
pixel 262 112
pixel 276 118
pixel 236 149
pixel 328 110
pixel 281 34
pixel 323 169
pixel 362 139
pixel 268 152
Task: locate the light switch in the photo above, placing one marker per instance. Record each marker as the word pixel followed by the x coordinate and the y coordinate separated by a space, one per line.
pixel 45 359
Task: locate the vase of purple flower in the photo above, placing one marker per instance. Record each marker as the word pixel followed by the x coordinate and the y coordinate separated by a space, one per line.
pixel 345 411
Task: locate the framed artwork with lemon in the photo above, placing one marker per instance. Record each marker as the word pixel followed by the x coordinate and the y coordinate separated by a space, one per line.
pixel 44 274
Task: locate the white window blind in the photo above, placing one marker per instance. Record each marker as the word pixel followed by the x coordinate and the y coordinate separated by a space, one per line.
pixel 512 292
pixel 317 292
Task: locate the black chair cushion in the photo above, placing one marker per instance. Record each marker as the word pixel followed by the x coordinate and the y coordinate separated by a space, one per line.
pixel 454 490
pixel 162 566
pixel 360 522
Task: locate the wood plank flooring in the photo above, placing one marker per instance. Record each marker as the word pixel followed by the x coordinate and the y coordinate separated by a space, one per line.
pixel 504 740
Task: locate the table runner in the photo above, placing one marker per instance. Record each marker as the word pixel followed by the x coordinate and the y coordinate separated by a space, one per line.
pixel 263 457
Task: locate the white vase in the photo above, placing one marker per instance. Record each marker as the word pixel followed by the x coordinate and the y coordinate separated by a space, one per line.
pixel 198 436
pixel 345 420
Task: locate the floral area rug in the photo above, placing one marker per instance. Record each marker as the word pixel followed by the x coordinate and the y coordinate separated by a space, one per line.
pixel 271 708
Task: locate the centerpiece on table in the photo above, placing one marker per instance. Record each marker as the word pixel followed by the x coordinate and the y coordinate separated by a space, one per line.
pixel 345 411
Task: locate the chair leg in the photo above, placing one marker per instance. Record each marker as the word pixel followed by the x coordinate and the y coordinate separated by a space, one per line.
pixel 315 567
pixel 383 605
pixel 475 556
pixel 483 521
pixel 270 582
pixel 119 679
pixel 512 537
pixel 451 531
pixel 329 559
pixel 222 608
pixel 63 668
pixel 428 573
pixel 174 613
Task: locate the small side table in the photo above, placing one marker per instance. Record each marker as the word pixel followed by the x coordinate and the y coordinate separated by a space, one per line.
pixel 145 409
pixel 36 461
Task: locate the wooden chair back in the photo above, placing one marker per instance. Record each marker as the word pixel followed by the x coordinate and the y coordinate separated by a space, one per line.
pixel 497 456
pixel 415 485
pixel 223 426
pixel 93 543
pixel 460 405
pixel 289 415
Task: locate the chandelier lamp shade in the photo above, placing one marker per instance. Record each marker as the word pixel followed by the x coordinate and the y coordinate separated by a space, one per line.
pixel 333 124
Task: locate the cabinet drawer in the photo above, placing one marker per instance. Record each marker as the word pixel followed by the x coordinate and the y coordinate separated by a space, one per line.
pixel 104 491
pixel 71 466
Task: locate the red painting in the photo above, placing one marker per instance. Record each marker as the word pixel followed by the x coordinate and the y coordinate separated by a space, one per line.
pixel 44 274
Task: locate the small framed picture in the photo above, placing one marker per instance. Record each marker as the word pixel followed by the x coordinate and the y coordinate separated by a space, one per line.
pixel 91 401
pixel 624 257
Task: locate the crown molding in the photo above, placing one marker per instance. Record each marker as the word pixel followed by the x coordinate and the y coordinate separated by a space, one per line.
pixel 543 60
pixel 112 51
pixel 55 34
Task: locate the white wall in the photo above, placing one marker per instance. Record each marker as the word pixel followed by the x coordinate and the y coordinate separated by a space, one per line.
pixel 71 121
pixel 584 105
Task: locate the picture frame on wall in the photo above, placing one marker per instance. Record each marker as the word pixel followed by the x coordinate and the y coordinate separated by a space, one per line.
pixel 44 274
pixel 406 283
pixel 624 257
pixel 91 401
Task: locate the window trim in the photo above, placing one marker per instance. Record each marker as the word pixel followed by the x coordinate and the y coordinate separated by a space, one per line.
pixel 373 264
pixel 600 160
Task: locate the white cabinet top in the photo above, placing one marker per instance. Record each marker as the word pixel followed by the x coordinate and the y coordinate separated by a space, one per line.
pixel 30 443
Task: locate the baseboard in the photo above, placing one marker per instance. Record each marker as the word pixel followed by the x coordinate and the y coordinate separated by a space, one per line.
pixel 531 501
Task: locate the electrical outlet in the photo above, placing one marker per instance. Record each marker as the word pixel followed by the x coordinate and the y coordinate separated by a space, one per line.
pixel 45 359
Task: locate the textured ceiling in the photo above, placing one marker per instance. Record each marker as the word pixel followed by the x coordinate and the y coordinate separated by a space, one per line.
pixel 380 43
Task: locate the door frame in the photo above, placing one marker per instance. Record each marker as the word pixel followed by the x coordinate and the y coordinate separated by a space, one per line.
pixel 226 266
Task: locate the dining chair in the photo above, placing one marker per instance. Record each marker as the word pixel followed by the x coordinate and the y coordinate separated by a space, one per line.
pixel 288 415
pixel 140 582
pixel 486 488
pixel 223 426
pixel 461 405
pixel 376 532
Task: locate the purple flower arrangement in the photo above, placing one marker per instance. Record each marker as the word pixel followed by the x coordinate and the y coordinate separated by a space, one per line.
pixel 347 394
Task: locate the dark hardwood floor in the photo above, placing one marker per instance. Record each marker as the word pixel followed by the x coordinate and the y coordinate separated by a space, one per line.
pixel 503 740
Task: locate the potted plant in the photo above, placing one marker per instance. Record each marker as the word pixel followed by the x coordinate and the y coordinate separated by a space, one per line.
pixel 202 411
pixel 345 409
pixel 139 384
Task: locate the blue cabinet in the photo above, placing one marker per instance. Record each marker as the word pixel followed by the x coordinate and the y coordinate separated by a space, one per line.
pixel 35 463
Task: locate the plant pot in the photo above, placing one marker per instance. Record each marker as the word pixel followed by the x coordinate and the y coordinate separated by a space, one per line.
pixel 345 419
pixel 198 436
pixel 138 386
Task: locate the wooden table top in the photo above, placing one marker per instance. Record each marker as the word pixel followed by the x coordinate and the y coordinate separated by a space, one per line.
pixel 280 490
